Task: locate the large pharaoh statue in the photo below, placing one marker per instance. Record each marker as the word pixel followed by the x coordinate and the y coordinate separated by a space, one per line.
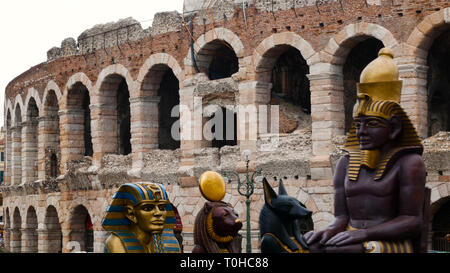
pixel 380 184
pixel 141 220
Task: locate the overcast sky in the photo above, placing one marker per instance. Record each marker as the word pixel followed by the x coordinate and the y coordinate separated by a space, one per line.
pixel 29 28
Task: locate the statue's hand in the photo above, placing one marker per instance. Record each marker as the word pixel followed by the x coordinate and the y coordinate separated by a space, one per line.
pixel 348 237
pixel 322 236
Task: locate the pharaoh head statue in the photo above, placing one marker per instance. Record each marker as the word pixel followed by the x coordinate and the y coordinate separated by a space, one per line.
pixel 381 129
pixel 141 218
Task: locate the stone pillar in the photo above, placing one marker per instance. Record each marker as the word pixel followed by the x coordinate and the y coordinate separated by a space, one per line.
pixel 8 154
pixel 6 238
pixel 100 237
pixel 144 128
pixel 252 94
pixel 15 240
pixel 16 160
pixel 29 240
pixel 104 129
pixel 328 119
pixel 414 98
pixel 189 140
pixel 50 241
pixel 71 136
pixel 29 151
pixel 48 142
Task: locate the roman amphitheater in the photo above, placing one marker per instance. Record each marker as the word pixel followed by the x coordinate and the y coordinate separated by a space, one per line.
pixel 98 112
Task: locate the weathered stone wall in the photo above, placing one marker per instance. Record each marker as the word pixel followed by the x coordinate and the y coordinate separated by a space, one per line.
pixel 324 32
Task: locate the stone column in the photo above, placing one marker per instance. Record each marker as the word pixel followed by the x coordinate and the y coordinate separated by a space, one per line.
pixel 50 241
pixel 144 128
pixel 71 136
pixel 252 94
pixel 104 129
pixel 16 160
pixel 328 119
pixel 100 237
pixel 29 151
pixel 6 238
pixel 29 240
pixel 48 141
pixel 8 154
pixel 414 98
pixel 15 240
pixel 191 123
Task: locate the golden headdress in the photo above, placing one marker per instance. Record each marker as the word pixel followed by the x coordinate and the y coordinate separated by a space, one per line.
pixel 378 95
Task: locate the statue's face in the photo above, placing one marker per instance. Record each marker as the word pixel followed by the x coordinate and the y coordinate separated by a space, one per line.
pixel 372 132
pixel 150 216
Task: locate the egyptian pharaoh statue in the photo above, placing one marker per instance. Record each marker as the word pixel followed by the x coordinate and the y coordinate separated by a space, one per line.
pixel 380 184
pixel 141 220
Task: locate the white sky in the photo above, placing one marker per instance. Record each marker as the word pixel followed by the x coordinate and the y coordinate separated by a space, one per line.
pixel 29 28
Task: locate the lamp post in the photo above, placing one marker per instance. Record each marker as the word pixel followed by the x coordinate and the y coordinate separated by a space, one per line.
pixel 245 188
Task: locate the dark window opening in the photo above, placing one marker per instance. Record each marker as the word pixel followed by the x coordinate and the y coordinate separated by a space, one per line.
pixel 359 57
pixel 53 166
pixel 289 80
pixel 88 150
pixel 169 98
pixel 438 85
pixel 224 62
pixel 124 118
pixel 441 228
pixel 226 134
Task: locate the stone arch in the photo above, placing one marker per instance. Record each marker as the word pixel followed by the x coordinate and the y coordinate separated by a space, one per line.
pixel 29 233
pixel 52 87
pixel 114 69
pixel 49 133
pixel 16 233
pixel 33 94
pixel 415 70
pixel 263 60
pixel 151 62
pixel 440 199
pixel 30 141
pixel 339 46
pixel 16 151
pixel 8 143
pixel 80 229
pixel 8 108
pixel 51 233
pixel 217 34
pixel 79 77
pixel 423 35
pixel 111 112
pixel 74 112
pixel 160 81
pixel 18 102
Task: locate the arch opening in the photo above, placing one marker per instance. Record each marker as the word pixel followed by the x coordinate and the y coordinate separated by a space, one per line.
pixel 79 119
pixel 169 98
pixel 81 229
pixel 218 60
pixel 52 227
pixel 358 58
pixel 441 227
pixel 51 135
pixel 438 84
pixel 30 236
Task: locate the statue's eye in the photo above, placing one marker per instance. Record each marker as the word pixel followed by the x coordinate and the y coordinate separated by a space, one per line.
pixel 357 124
pixel 148 207
pixel 162 207
pixel 373 123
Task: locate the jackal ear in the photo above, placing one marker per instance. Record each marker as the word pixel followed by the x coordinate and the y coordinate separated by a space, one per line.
pixel 281 188
pixel 269 193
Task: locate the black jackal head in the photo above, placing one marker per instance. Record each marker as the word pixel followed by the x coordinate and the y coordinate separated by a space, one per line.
pixel 284 216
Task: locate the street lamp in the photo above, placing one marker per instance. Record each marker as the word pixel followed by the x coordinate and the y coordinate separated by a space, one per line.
pixel 245 188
